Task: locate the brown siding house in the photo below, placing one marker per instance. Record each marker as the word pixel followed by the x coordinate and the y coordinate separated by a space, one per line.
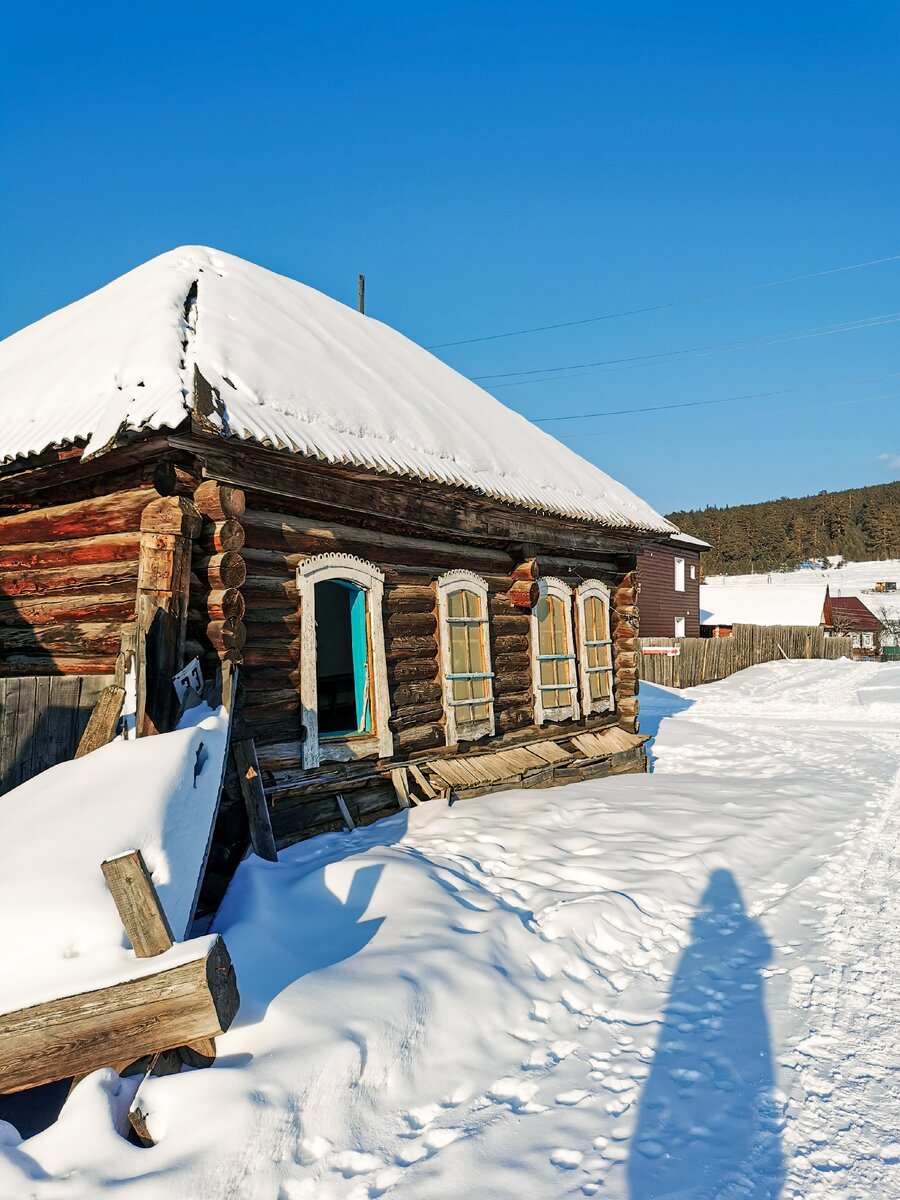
pixel 669 573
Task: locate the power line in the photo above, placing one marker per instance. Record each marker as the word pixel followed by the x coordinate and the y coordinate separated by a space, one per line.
pixel 667 356
pixel 800 408
pixel 631 312
pixel 623 412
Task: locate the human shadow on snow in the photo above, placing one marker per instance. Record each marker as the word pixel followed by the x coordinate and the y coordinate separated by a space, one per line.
pixel 708 1124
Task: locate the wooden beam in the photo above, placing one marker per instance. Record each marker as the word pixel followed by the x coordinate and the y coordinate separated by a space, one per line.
pixel 138 904
pixel 399 500
pixel 250 779
pixel 195 999
pixel 103 721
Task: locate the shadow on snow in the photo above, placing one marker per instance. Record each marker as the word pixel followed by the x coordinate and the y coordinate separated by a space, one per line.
pixel 708 1125
pixel 657 703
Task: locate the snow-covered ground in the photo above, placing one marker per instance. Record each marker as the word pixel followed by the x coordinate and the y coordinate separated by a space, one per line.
pixel 852 579
pixel 677 985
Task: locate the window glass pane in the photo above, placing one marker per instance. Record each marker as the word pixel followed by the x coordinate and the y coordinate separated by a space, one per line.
pixel 456 604
pixel 476 648
pixel 551 618
pixel 458 649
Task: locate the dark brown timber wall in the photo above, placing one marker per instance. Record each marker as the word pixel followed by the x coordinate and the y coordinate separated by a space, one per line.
pixel 660 602
pixel 68 580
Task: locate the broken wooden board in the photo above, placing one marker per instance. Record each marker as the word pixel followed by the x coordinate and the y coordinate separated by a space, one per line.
pixel 607 742
pixel 194 998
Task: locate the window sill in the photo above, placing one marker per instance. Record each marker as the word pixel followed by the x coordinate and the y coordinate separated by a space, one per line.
pixel 348 747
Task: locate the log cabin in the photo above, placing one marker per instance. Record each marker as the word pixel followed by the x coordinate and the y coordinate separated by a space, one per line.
pixel 422 593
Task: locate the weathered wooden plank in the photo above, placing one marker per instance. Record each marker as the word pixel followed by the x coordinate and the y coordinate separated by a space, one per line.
pixel 137 903
pixel 549 751
pixel 250 780
pixel 162 1010
pixel 345 812
pixel 401 787
pixel 104 720
pixel 422 780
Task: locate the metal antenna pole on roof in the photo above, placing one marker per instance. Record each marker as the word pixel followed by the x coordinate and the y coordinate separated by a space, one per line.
pixel 362 293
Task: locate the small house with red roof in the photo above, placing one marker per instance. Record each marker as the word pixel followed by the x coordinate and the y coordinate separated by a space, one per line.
pixel 854 620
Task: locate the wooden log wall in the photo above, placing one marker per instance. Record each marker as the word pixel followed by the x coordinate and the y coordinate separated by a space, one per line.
pixel 278 535
pixel 626 625
pixel 68 579
pixel 216 629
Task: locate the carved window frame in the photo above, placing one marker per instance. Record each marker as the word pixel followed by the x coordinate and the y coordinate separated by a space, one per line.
pixel 379 740
pixel 594 589
pixel 445 586
pixel 550 586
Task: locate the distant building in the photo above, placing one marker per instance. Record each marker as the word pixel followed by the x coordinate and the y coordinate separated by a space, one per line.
pixel 669 572
pixel 724 605
pixel 854 620
pixel 886 585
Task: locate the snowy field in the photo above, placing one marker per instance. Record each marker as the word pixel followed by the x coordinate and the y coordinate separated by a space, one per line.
pixel 677 985
pixel 852 579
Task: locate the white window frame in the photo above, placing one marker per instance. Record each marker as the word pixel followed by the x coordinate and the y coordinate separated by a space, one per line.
pixel 682 622
pixel 365 575
pixel 446 585
pixel 693 570
pixel 868 641
pixel 679 574
pixel 554 587
pixel 594 588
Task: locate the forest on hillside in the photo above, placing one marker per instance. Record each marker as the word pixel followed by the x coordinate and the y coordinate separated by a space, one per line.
pixel 860 524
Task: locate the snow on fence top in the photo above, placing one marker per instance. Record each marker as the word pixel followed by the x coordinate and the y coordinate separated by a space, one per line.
pixel 295 370
pixel 729 604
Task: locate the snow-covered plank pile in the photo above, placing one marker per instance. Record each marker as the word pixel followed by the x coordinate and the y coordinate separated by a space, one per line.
pixel 292 369
pixel 677 984
pixel 73 993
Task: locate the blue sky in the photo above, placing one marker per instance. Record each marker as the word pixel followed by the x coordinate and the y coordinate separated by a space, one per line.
pixel 494 167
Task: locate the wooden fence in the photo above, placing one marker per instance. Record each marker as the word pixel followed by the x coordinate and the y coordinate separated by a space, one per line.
pixel 42 718
pixel 703 660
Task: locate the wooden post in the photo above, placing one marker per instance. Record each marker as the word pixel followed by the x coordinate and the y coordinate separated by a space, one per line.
pixel 261 836
pixel 164 570
pixel 138 904
pixel 362 293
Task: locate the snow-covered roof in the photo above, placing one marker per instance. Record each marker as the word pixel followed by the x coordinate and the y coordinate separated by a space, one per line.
pixel 736 604
pixel 687 540
pixel 295 370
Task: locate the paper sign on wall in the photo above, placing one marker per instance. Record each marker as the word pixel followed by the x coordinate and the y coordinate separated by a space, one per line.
pixel 189 678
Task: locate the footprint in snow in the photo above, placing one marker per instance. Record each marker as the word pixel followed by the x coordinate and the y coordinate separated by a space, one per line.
pixel 576 1096
pixel 566 1160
